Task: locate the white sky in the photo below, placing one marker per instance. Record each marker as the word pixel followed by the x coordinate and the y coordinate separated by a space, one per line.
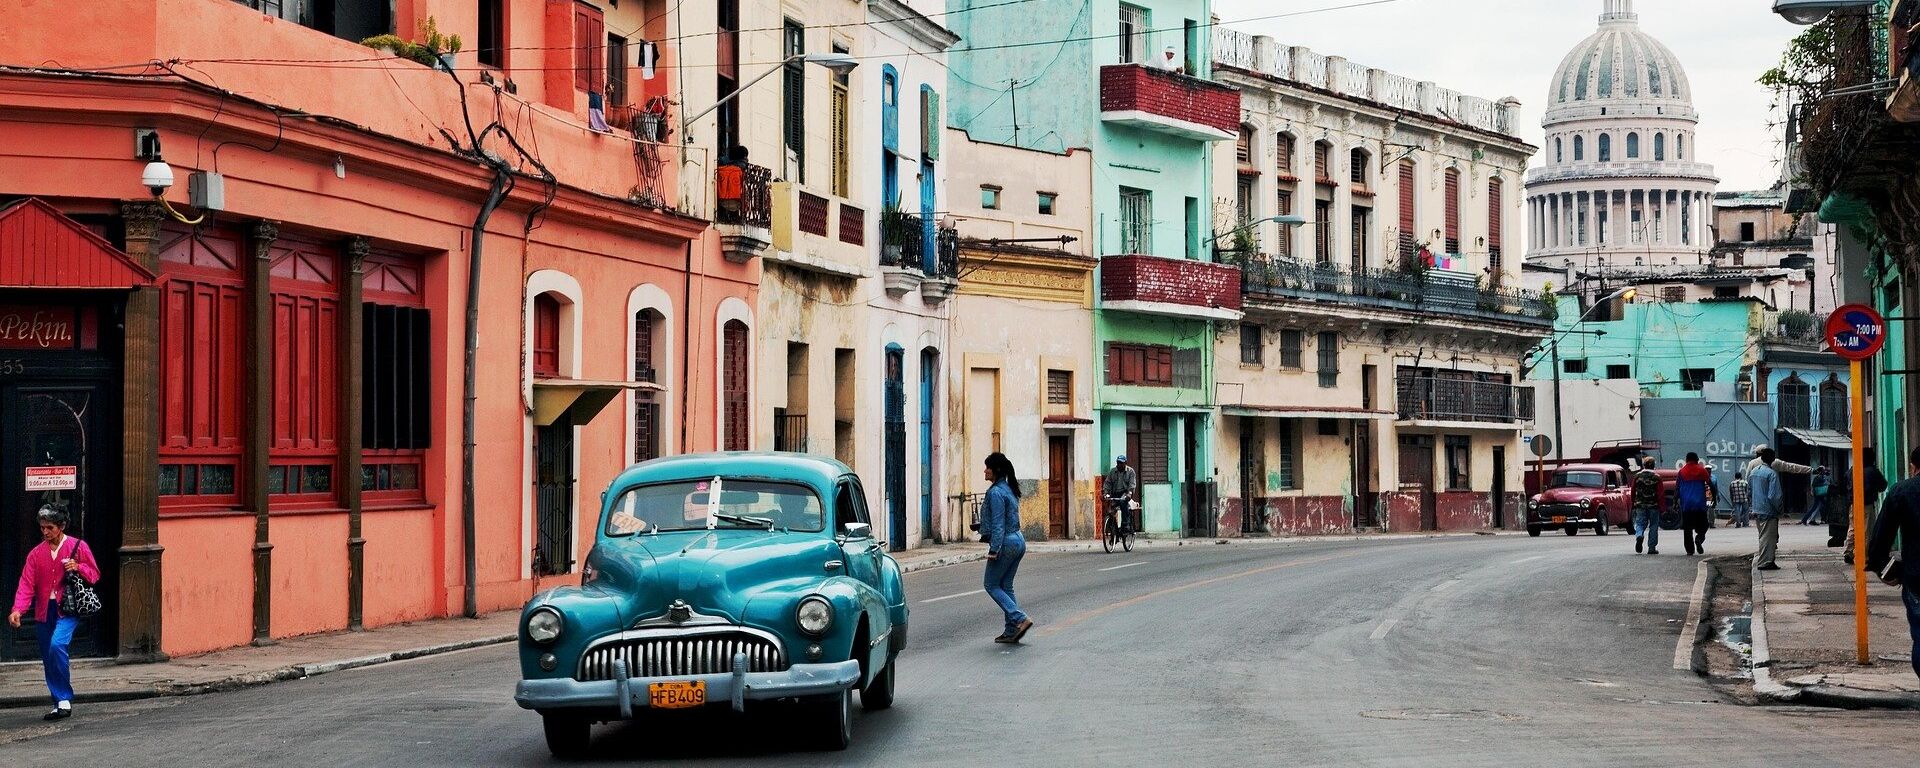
pixel 1496 48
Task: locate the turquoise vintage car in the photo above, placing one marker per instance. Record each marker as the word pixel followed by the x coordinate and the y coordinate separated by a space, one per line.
pixel 718 580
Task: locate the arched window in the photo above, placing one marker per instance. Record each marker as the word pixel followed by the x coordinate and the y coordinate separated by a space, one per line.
pixel 1795 404
pixel 1680 146
pixel 1659 146
pixel 1559 150
pixel 1579 148
pixel 1605 150
pixel 1633 146
pixel 1835 407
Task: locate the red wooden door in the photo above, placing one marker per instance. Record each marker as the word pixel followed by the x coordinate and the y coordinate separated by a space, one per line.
pixel 1059 485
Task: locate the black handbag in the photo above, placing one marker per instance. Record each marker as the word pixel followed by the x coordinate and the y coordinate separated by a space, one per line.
pixel 78 598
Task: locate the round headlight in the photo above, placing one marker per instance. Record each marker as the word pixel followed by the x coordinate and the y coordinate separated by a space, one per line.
pixel 814 616
pixel 544 625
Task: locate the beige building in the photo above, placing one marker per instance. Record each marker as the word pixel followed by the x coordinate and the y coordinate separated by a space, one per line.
pixel 1371 384
pixel 1023 332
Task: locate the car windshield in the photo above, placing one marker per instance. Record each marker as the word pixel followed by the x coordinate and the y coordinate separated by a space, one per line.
pixel 1579 480
pixel 683 506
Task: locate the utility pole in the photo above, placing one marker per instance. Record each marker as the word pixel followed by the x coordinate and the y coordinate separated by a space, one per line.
pixel 1559 437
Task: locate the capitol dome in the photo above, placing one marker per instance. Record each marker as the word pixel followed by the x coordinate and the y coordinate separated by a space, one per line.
pixel 1622 186
pixel 1620 67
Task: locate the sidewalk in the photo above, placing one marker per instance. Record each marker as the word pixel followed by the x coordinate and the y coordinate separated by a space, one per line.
pixel 96 680
pixel 1804 631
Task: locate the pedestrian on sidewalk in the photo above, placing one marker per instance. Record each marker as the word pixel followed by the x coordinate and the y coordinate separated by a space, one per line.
pixel 1000 524
pixel 1822 480
pixel 1900 516
pixel 1768 505
pixel 1876 485
pixel 1646 508
pixel 1740 493
pixel 1694 512
pixel 1781 468
pixel 42 583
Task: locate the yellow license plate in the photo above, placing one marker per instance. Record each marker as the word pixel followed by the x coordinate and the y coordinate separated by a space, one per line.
pixel 1559 518
pixel 677 695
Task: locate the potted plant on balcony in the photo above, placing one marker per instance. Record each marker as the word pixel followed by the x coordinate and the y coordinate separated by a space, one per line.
pixel 895 225
pixel 433 49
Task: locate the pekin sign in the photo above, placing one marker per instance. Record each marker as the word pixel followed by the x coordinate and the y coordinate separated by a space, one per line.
pixel 23 327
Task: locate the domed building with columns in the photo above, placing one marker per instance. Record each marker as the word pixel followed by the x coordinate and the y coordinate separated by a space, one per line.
pixel 1621 187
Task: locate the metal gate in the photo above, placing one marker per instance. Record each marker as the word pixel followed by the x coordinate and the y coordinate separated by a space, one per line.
pixel 1416 475
pixel 553 497
pixel 1253 476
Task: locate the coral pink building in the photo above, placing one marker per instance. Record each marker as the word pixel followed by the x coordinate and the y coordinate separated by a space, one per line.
pixel 253 405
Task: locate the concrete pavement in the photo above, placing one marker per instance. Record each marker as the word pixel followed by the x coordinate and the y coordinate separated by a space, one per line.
pixel 1804 633
pixel 1466 651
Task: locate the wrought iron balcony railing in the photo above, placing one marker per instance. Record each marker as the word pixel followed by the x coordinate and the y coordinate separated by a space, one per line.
pixel 1434 291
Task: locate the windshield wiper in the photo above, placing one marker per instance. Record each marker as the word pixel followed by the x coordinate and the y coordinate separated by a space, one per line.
pixel 759 522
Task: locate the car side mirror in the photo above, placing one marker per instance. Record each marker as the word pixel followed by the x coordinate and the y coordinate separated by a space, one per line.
pixel 858 530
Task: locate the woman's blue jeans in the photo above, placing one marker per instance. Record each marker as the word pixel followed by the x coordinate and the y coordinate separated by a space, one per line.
pixel 999 581
pixel 55 634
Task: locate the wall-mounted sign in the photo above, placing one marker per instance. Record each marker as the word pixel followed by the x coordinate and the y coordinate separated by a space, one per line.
pixel 24 327
pixel 53 478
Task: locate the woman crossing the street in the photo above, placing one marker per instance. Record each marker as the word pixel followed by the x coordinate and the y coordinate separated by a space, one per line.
pixel 42 583
pixel 1000 528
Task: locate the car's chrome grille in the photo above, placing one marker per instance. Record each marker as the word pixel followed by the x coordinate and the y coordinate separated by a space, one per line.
pixel 707 654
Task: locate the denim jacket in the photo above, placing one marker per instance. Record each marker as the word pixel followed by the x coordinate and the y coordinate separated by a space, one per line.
pixel 1000 517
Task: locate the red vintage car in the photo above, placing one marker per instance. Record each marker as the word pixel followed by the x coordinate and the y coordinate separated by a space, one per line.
pixel 1597 496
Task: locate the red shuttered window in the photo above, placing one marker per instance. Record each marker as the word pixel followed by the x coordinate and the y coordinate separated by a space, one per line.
pixel 1453 211
pixel 201 371
pixel 733 394
pixel 1409 239
pixel 546 336
pixel 589 48
pixel 306 372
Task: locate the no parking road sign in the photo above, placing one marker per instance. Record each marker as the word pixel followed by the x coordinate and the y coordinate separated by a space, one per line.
pixel 1856 332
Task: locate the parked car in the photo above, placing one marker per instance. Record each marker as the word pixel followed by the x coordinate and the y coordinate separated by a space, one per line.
pixel 1597 496
pixel 719 580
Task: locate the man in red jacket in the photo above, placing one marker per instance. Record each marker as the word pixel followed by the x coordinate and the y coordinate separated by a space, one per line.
pixel 1694 514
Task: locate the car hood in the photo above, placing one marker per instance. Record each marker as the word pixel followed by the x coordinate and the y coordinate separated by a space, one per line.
pixel 1569 495
pixel 714 572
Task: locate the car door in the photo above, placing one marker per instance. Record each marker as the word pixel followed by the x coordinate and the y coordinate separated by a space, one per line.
pixel 862 554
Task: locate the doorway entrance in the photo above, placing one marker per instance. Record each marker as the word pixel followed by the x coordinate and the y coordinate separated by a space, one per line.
pixel 553 497
pixel 896 449
pixel 60 447
pixel 1499 486
pixel 1059 485
pixel 1416 476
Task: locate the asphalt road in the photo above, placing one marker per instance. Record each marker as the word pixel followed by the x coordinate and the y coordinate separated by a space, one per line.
pixel 1460 651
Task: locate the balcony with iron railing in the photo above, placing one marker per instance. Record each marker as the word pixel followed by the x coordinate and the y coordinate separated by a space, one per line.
pixel 789 431
pixel 743 210
pixel 1169 102
pixel 1435 399
pixel 914 253
pixel 1431 292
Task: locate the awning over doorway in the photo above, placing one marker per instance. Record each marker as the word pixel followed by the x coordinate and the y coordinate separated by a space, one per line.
pixel 42 248
pixel 1293 412
pixel 577 399
pixel 1822 438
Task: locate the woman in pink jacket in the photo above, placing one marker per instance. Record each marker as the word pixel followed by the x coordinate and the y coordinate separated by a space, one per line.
pixel 41 585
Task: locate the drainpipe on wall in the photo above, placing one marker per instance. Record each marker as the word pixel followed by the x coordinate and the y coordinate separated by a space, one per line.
pixel 686 351
pixel 496 192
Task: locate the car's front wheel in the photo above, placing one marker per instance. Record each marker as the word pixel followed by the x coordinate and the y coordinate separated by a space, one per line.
pixel 835 714
pixel 1533 530
pixel 567 735
pixel 878 694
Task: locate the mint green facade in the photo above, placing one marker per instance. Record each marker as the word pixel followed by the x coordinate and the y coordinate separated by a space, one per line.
pixel 1658 342
pixel 1053 104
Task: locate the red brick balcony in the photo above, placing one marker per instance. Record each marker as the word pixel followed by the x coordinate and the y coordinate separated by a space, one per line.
pixel 1171 287
pixel 1169 102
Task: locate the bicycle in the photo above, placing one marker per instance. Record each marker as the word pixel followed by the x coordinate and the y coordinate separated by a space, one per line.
pixel 1117 530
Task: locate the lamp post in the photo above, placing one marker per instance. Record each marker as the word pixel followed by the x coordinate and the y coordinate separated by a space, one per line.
pixel 838 62
pixel 1553 349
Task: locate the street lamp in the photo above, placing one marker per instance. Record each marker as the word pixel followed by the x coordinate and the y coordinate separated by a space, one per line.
pixel 1285 220
pixel 838 62
pixel 1805 12
pixel 1553 349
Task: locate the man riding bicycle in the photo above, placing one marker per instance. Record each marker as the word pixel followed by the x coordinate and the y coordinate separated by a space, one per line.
pixel 1118 489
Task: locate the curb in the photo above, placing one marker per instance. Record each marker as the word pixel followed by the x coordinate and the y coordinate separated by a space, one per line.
pixel 252 679
pixel 1762 665
pixel 1841 697
pixel 1693 655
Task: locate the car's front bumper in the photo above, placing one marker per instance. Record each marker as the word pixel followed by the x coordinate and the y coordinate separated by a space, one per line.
pixel 736 688
pixel 1545 517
